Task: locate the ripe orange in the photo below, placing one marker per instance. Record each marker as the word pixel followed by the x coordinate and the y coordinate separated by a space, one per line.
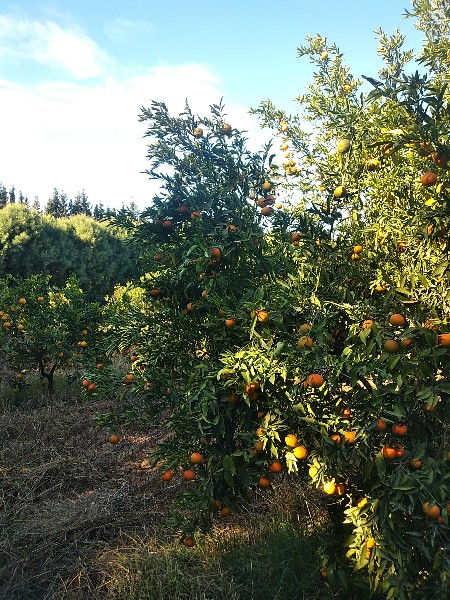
pixel 189 541
pixel 275 466
pixel 197 458
pixel 380 425
pixel 83 344
pixel 225 511
pixel 428 179
pixel 91 387
pixel 262 315
pixel 232 399
pixel 167 224
pixel 114 439
pixel 252 387
pixel 22 301
pixel 431 511
pixel 399 450
pixel 266 186
pixel 167 475
pixel 329 487
pixel 291 440
pixel 189 475
pixel 388 452
pixel 230 322
pixel 324 55
pixel 40 298
pixel 133 357
pixel 264 482
pixel 444 340
pixel 196 214
pixel 397 320
pixel 266 211
pixel 300 452
pixel 367 324
pixel 415 464
pixel 198 132
pixel 391 346
pixel 350 437
pixel 128 378
pixel 336 438
pixel 407 342
pixel 315 380
pixel 370 543
pixel 259 446
pixel 428 408
pixel 305 341
pixel 215 252
pixel 339 191
pixel 357 249
pixel 100 366
pixel 398 429
pixel 86 383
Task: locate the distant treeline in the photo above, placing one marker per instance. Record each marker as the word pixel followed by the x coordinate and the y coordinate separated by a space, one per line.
pixel 97 253
pixel 60 205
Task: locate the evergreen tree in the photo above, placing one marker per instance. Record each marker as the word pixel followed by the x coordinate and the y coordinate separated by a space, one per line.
pixel 36 204
pixel 3 196
pixel 12 195
pixel 99 212
pixel 57 205
pixel 23 199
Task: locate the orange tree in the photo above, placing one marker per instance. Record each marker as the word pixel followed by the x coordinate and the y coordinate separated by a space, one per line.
pixel 311 340
pixel 45 328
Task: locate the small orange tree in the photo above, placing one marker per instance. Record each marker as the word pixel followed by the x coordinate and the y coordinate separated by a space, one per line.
pixel 45 328
pixel 314 339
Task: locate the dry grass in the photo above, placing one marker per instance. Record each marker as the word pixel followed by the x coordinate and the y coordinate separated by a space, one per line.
pixel 80 518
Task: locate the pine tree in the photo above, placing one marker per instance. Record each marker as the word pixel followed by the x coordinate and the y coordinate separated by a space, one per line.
pixel 99 212
pixel 36 204
pixel 12 195
pixel 57 205
pixel 3 196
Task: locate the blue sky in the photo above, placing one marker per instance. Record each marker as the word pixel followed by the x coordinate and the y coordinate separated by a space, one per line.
pixel 73 76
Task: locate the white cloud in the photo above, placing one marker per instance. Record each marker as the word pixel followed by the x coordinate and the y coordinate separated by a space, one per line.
pixel 47 43
pixel 73 136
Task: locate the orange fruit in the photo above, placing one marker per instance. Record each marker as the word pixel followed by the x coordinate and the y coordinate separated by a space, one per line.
pixel 275 466
pixel 197 458
pixel 399 429
pixel 407 342
pixel 329 487
pixel 22 301
pixel 264 482
pixel 304 329
pixel 431 511
pixel 415 464
pixel 428 179
pixel 100 366
pixel 91 387
pixel 262 315
pixel 198 132
pixel 388 452
pixel 230 322
pixel 350 437
pixel 291 440
pixel 305 341
pixel 391 346
pixel 380 425
pixel 339 489
pixel 312 472
pixel 114 439
pixel 370 543
pixel 399 450
pixel 367 324
pixel 167 475
pixel 189 475
pixel 300 452
pixel 266 211
pixel 86 383
pixel 83 344
pixel 336 438
pixel 428 408
pixel 225 511
pixel 266 186
pixel 40 298
pixel 215 252
pixel 444 339
pixel 296 236
pixel 167 224
pixel 252 387
pixel 232 399
pixel 259 446
pixel 189 541
pixel 315 380
pixel 357 249
pixel 397 320
pixel 196 214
